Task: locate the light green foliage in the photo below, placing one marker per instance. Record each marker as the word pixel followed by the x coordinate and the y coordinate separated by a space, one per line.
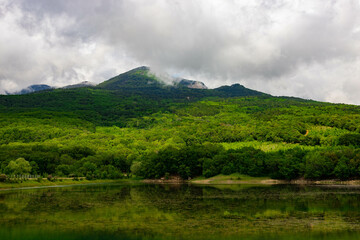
pixel 266 146
pixel 18 167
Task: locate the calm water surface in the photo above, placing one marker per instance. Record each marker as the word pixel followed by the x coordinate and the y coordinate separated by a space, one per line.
pixel 128 211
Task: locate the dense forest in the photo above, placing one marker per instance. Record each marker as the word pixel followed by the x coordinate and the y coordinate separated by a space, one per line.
pixel 134 124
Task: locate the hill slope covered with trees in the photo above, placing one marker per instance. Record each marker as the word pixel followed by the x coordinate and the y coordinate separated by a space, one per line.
pixel 135 124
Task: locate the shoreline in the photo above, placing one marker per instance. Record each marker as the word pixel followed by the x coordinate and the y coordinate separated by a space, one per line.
pixel 59 183
pixel 261 181
pixel 278 182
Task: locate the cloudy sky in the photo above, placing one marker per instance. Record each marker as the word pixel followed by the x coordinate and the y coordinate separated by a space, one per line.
pixel 308 49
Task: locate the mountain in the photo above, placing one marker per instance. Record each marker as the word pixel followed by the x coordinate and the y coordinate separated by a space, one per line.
pixel 33 88
pixel 142 78
pixel 141 81
pixel 80 85
pixel 237 90
pixel 132 94
pixel 138 78
pixel 42 87
pixel 192 84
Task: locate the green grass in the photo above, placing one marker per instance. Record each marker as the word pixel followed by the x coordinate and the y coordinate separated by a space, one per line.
pixel 232 177
pixel 44 182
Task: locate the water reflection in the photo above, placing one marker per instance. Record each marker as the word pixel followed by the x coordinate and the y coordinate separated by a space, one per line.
pixel 146 211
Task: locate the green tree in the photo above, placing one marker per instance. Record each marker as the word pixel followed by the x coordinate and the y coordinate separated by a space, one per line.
pixel 320 165
pixel 18 167
pixel 342 169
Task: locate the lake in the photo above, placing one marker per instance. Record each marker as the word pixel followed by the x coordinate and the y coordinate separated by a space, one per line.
pixel 151 211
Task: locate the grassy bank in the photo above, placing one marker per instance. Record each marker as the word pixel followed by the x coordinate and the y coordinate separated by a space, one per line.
pixel 234 178
pixel 44 182
pixel 237 178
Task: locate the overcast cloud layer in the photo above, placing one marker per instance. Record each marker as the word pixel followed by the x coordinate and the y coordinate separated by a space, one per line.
pixel 308 49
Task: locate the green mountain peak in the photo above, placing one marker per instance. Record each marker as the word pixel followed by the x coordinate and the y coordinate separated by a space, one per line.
pixel 136 78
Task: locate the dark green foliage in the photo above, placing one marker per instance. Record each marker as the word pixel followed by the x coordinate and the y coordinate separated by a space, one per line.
pixel 246 161
pixel 350 139
pixel 185 162
pixel 63 170
pixel 320 165
pixel 289 164
pixel 78 152
pixel 342 169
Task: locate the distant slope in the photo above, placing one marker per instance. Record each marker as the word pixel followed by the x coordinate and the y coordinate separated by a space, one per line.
pixel 42 87
pixel 82 84
pixel 237 90
pixel 33 88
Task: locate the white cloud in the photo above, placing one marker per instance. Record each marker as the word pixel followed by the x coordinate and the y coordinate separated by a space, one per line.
pixel 302 48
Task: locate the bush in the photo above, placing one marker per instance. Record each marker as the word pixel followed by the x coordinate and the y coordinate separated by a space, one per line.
pixel 208 173
pixel 90 176
pixel 18 167
pixel 3 177
pixel 51 178
pixel 136 168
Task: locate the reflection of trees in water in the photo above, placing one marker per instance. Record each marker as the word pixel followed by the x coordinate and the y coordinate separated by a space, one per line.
pixel 251 200
pixel 13 202
pixel 146 206
pixel 66 199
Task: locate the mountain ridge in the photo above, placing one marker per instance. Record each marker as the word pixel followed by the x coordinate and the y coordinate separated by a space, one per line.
pixel 141 78
pixel 31 89
pixel 80 85
pixel 132 94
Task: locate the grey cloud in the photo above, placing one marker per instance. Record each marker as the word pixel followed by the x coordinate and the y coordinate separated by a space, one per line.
pixel 281 47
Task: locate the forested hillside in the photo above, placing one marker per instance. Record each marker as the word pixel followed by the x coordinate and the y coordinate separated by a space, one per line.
pixel 134 124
